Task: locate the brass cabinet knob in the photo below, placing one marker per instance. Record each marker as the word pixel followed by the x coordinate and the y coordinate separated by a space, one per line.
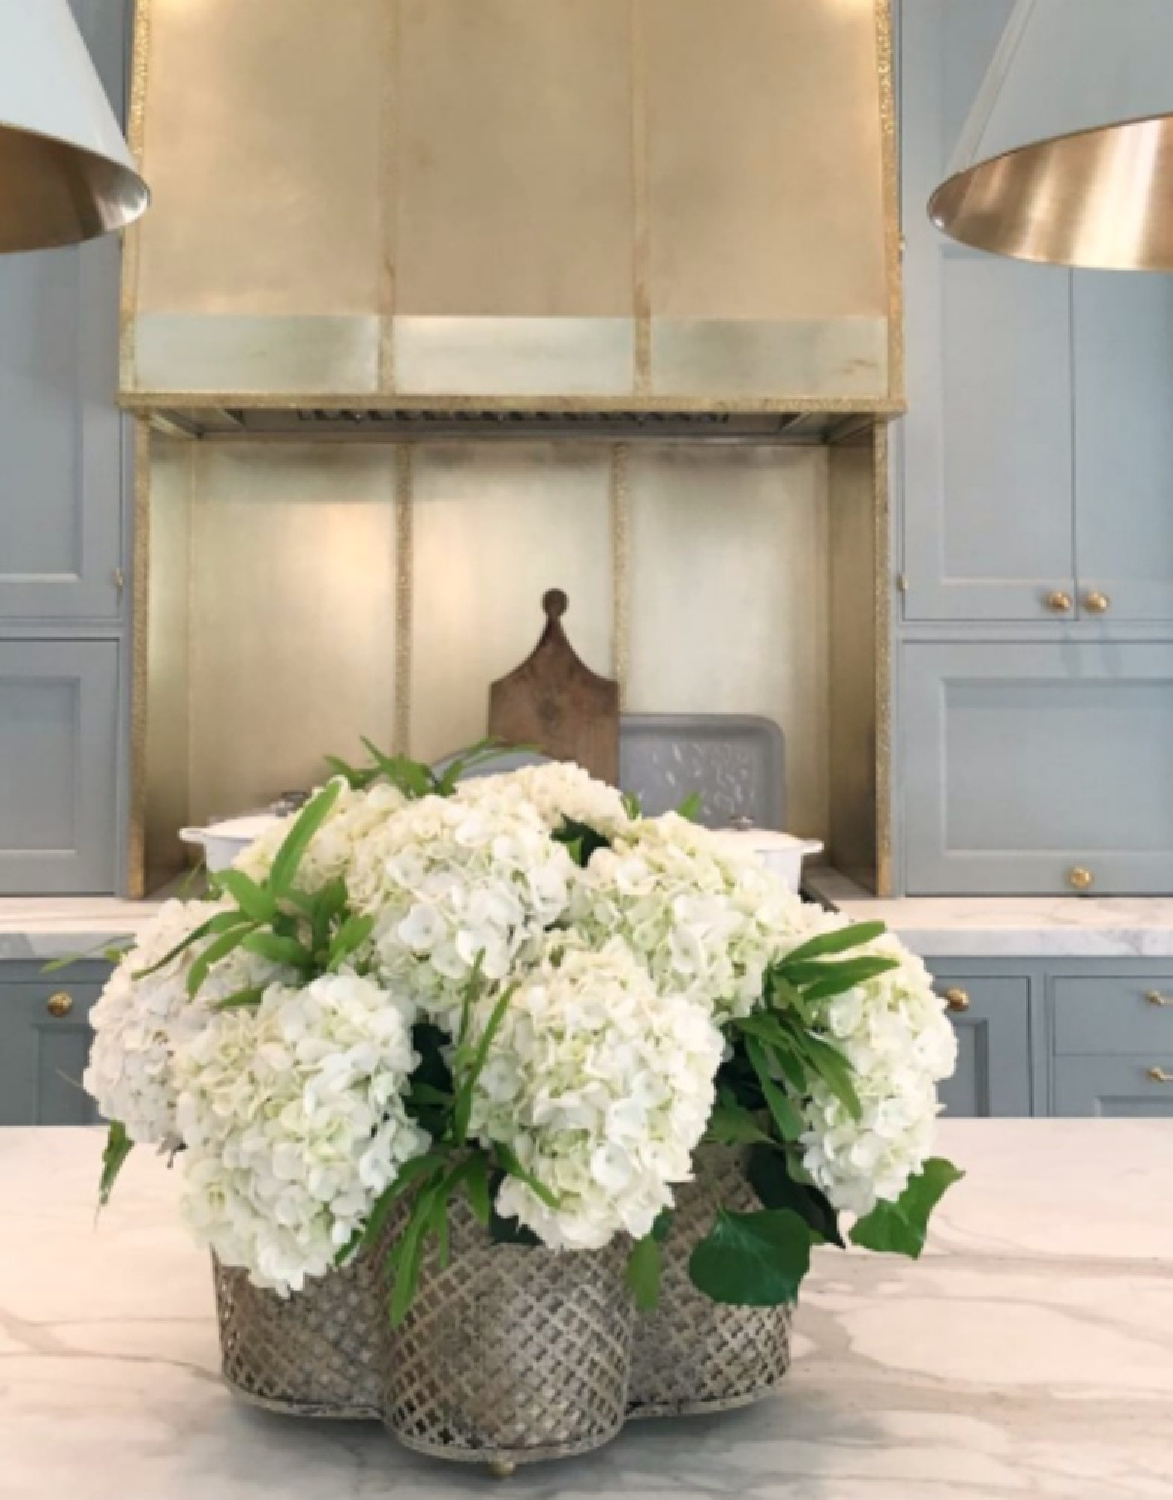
pixel 59 1004
pixel 1080 879
pixel 1059 602
pixel 1154 997
pixel 957 1001
pixel 1096 603
pixel 1158 1075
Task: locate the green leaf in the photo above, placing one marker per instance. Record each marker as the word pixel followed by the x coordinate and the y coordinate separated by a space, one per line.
pixel 730 1124
pixel 102 950
pixel 297 840
pixel 824 981
pixel 691 808
pixel 581 840
pixel 412 777
pixel 772 1179
pixel 900 1228
pixel 242 999
pixel 357 780
pixel 278 950
pixel 476 1185
pixel 407 1258
pixel 225 944
pixel 515 1169
pixel 632 806
pixel 484 751
pixel 462 1110
pixel 832 1068
pixel 644 1267
pixel 511 1232
pixel 409 1174
pixel 350 936
pixel 202 931
pixel 752 1260
pixel 783 1112
pixel 118 1147
pixel 255 901
pixel 854 935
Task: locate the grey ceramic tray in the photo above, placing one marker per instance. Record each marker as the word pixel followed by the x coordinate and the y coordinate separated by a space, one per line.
pixel 736 762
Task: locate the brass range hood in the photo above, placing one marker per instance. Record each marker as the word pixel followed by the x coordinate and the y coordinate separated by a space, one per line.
pixel 612 218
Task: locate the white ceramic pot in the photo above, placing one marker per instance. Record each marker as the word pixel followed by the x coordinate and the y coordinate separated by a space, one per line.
pixel 782 853
pixel 222 842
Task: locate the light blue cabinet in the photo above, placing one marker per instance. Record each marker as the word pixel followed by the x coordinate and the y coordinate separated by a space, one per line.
pixel 44 1043
pixel 991 1015
pixel 1024 763
pixel 58 735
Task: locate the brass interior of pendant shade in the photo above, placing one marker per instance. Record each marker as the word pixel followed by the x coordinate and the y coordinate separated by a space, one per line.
pixel 1101 198
pixel 55 193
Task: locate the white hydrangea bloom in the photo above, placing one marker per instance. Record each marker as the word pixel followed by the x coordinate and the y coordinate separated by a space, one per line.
pixel 895 1034
pixel 705 920
pixel 602 1086
pixel 556 791
pixel 294 1122
pixel 139 1023
pixel 354 816
pixel 449 882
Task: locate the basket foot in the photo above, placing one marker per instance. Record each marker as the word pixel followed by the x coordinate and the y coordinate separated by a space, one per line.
pixel 502 1468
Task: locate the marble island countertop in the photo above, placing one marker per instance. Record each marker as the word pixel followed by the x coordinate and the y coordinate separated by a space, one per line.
pixel 1030 1352
pixel 1010 926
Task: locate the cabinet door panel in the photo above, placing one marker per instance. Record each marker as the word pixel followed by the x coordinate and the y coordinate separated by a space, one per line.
pixel 1023 762
pixel 987 441
pixel 1112 1014
pixel 61 434
pixel 43 1056
pixel 58 726
pixel 1123 342
pixel 1118 1087
pixel 993 1046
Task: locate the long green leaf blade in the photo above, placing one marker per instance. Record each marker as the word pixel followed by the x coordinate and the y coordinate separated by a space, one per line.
pixel 297 840
pixel 854 935
pixel 118 1147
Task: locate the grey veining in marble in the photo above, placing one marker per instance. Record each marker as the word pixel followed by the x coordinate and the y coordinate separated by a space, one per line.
pixel 1029 1353
pixel 1011 926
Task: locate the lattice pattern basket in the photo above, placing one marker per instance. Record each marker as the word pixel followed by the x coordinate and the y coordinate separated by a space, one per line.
pixel 511 1354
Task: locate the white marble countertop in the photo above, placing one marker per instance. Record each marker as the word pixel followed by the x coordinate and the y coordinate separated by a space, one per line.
pixel 1011 926
pixel 1030 1352
pixel 44 927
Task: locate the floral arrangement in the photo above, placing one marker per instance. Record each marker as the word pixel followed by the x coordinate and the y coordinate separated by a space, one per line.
pixel 517 989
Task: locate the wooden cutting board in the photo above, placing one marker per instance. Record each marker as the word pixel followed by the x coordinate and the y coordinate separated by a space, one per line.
pixel 556 703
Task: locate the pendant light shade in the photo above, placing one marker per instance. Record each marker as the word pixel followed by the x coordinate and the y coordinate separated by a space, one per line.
pixel 1067 155
pixel 65 171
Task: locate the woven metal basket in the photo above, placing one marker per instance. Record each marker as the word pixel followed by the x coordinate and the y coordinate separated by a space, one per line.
pixel 511 1354
pixel 692 1354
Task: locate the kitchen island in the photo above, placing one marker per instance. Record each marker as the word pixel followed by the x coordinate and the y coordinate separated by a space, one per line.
pixel 1029 1352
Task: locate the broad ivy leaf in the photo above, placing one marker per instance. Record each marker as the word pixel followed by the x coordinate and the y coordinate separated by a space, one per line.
pixel 900 1227
pixel 752 1260
pixel 771 1177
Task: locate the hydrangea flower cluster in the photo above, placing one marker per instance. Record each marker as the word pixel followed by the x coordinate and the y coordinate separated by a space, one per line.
pixel 601 1084
pixel 294 1123
pixel 577 999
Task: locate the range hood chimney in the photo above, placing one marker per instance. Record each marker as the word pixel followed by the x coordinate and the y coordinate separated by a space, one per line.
pixel 577 208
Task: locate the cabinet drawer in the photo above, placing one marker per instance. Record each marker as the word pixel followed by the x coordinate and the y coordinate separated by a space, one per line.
pixel 44 1049
pixel 1115 1086
pixel 992 1019
pixel 1114 1016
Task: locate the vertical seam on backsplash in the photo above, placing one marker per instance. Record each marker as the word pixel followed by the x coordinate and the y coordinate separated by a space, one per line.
pixel 404 590
pixel 140 584
pixel 189 676
pixel 388 198
pixel 136 139
pixel 620 517
pixel 641 215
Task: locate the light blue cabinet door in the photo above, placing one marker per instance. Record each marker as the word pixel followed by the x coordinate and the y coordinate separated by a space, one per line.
pixel 58 726
pixel 1024 762
pixel 1123 341
pixel 1117 1087
pixel 987 443
pixel 61 434
pixel 993 1044
pixel 43 1053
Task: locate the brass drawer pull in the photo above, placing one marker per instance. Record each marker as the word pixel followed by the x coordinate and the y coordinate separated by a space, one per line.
pixel 1154 997
pixel 1059 602
pixel 957 1001
pixel 1080 879
pixel 1158 1075
pixel 60 1004
pixel 1096 603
